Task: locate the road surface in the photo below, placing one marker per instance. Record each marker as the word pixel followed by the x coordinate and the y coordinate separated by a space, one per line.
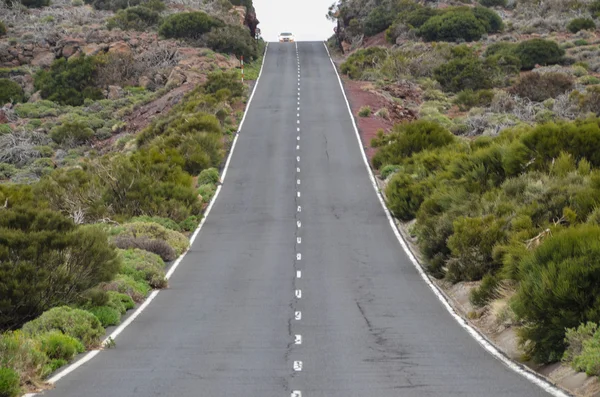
pixel 228 324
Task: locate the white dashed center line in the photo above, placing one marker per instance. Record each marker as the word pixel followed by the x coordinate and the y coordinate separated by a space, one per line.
pixel 297 365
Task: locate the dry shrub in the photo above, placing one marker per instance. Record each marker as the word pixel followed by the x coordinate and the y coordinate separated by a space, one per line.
pixel 156 246
pixel 539 87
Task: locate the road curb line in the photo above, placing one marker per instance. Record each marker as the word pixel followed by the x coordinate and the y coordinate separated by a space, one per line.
pixel 92 353
pixel 527 373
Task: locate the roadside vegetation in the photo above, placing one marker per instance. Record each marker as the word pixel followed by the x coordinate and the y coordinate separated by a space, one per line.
pixel 111 142
pixel 498 181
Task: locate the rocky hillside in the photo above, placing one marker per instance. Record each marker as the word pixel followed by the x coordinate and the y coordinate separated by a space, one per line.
pixel 116 118
pixel 481 119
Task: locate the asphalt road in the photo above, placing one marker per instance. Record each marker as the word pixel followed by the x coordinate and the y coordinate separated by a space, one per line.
pixel 227 325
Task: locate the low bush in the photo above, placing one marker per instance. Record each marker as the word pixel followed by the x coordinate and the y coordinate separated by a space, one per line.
pixel 72 133
pixel 219 81
pixel 206 192
pixel 471 247
pixel 107 315
pixel 483 294
pixel 35 3
pixel 362 60
pixel 539 87
pixel 209 175
pixel 116 5
pixel 134 18
pixel 144 266
pixel 188 25
pixel 155 246
pixel 405 195
pixel 577 24
pixel 45 261
pixel 10 91
pixel 76 323
pixel 467 99
pixel 124 284
pixel 364 111
pixel 166 222
pixel 155 231
pixel 418 17
pixel 388 170
pixel 21 353
pixel 538 51
pixel 490 19
pixel 2 29
pixel 69 82
pixel 493 3
pixel 58 346
pixel 233 39
pixel 408 139
pixel 125 300
pixel 583 348
pixel 559 287
pixel 464 73
pixel 9 383
pixel 190 224
pixel 453 26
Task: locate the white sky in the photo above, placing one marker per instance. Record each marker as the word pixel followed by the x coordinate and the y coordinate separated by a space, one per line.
pixel 304 18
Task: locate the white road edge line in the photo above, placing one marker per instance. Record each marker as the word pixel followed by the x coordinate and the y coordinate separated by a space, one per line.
pixel 91 354
pixel 525 372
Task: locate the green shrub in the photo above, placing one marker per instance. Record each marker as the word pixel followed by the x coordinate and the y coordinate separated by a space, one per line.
pixel 2 29
pixel 76 323
pixel 490 19
pixel 190 224
pixel 388 170
pixel 583 351
pixel 233 39
pixel 405 195
pixel 577 24
pixel 539 87
pixel 144 266
pixel 418 17
pixel 361 60
pixel 115 5
pixel 134 18
pixel 156 231
pixel 483 294
pixel 462 74
pixel 493 3
pixel 21 353
pixel 72 133
pixel 189 25
pixel 538 51
pixel 206 192
pixel 559 285
pixel 408 139
pixel 594 8
pixel 38 110
pixel 137 290
pixel 453 26
pixel 166 222
pixel 9 383
pixel 378 20
pixel 107 315
pixel 58 346
pixel 69 82
pixel 35 248
pixel 125 300
pixel 364 111
pixel 35 3
pixel 471 246
pixel 10 91
pixel 467 99
pixel 218 81
pixel 209 175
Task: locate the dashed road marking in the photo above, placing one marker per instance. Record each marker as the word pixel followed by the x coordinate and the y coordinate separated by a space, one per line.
pixel 297 169
pixel 298 273
pixel 297 158
pixel 298 138
pixel 298 194
pixel 296 393
pixel 299 224
pixel 299 208
pixel 298 315
pixel 297 147
pixel 298 339
pixel 298 366
pixel 298 182
pixel 299 240
pixel 298 256
pixel 298 293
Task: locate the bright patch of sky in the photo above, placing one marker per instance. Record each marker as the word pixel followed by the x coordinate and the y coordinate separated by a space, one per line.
pixel 304 18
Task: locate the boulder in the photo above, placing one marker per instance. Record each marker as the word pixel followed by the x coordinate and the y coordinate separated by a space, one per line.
pixel 92 49
pixel 43 59
pixel 120 47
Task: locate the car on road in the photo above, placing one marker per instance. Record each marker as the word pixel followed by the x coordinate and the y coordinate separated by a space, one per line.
pixel 286 38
